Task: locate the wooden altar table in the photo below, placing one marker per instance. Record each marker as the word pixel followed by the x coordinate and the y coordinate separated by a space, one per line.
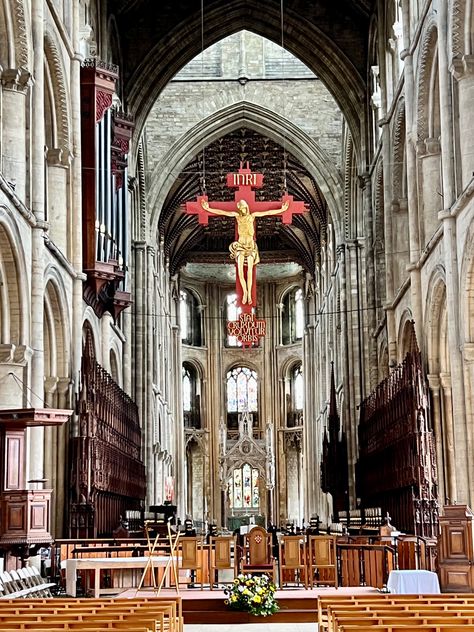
pixel 98 564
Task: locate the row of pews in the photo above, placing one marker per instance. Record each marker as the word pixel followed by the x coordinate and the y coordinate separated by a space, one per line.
pixel 396 613
pixel 92 615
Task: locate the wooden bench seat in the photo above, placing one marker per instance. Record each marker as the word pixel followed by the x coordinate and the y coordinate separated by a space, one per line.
pixel 339 612
pixel 147 614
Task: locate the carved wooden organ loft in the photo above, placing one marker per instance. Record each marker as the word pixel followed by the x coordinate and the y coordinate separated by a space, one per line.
pixel 106 133
pixel 107 473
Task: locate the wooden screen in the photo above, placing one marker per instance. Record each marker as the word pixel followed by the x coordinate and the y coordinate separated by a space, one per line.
pixel 107 473
pixel 397 465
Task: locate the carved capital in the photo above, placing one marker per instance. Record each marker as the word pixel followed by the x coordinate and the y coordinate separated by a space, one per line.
pixel 445 379
pixel 468 352
pixel 17 80
pixel 462 67
pixel 434 383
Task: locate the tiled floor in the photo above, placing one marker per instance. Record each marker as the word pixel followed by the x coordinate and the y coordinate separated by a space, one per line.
pixel 253 627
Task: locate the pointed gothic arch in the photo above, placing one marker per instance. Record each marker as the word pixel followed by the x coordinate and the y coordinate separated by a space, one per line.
pixel 265 122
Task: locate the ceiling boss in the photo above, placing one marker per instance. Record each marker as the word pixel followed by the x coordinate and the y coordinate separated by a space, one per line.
pixel 244 250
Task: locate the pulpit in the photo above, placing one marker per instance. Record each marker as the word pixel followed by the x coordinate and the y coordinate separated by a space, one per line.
pixel 25 516
pixel 456 549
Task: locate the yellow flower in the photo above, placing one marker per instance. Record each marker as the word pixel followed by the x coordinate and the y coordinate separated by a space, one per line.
pixel 257 599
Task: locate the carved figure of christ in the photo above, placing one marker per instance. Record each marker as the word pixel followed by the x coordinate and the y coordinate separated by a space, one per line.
pixel 245 250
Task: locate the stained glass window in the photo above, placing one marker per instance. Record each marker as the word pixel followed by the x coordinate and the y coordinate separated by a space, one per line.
pixel 242 392
pixel 243 488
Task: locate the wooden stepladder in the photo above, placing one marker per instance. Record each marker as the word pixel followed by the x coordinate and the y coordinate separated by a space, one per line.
pixel 155 560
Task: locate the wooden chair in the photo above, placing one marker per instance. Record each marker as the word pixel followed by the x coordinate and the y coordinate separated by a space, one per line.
pixel 257 557
pixel 221 550
pixel 191 552
pixel 322 560
pixel 292 560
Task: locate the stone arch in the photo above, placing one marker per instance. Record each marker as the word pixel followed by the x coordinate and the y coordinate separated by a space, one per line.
pixel 467 286
pixel 89 329
pixel 330 63
pixel 436 324
pixel 14 326
pixel 462 28
pixel 398 152
pixel 265 122
pixel 428 123
pixel 59 98
pixel 383 360
pixel 115 366
pixel 15 39
pixel 56 332
pixel 406 335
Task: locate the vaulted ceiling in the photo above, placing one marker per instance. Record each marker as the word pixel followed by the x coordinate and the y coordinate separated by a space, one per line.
pixel 188 241
pixel 157 38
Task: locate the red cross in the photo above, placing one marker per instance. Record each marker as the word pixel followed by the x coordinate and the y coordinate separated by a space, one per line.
pixel 245 182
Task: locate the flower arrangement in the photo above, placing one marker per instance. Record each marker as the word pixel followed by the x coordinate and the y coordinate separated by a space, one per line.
pixel 254 594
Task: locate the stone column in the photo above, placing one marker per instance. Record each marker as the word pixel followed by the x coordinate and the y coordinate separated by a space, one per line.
pixel 179 447
pixel 63 390
pixel 412 193
pixel 76 210
pixel 463 72
pixel 15 83
pixel 451 453
pixel 435 384
pixel 366 184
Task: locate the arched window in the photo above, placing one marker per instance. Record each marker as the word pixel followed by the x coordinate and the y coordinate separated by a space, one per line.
pixel 293 320
pixel 295 399
pixel 232 312
pixel 191 398
pixel 189 319
pixel 243 488
pixel 242 395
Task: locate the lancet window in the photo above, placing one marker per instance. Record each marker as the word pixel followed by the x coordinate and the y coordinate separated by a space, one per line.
pixel 232 312
pixel 189 319
pixel 191 399
pixel 296 398
pixel 293 320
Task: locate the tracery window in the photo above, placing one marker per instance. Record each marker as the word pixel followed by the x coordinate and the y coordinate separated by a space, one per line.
pixel 189 319
pixel 293 320
pixel 242 395
pixel 243 488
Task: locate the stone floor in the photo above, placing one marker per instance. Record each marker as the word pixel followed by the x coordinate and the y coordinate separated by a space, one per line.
pixel 253 627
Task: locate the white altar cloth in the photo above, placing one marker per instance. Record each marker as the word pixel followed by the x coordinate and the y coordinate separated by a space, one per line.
pixel 100 563
pixel 414 582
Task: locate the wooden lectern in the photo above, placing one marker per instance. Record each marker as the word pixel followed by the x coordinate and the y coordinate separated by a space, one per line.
pixel 456 549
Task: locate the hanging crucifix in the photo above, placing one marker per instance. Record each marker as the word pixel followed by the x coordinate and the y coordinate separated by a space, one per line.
pixel 244 250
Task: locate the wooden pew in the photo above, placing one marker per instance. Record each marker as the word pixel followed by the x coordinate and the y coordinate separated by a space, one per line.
pixel 155 613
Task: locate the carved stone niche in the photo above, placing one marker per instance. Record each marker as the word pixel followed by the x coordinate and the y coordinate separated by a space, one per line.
pixel 25 513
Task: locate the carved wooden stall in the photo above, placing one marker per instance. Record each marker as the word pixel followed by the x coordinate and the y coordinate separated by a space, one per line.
pixel 107 474
pixel 397 465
